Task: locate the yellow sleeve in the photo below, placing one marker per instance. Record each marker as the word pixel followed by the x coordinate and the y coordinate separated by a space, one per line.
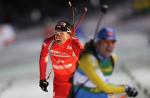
pixel 114 57
pixel 88 63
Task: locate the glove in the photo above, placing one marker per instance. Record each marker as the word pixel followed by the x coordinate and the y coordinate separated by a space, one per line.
pixel 131 91
pixel 44 84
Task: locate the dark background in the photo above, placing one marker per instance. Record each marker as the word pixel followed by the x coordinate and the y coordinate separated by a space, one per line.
pixel 19 12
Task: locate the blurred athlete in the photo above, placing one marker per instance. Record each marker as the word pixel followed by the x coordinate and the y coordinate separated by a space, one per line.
pixel 91 80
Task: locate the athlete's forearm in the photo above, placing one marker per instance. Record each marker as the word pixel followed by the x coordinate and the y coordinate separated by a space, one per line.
pixel 88 65
pixel 43 61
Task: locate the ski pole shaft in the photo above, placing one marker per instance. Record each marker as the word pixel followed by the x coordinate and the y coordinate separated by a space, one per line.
pixel 81 18
pixel 98 24
pixel 49 74
pixel 103 10
pixel 74 26
pixel 73 17
pixel 73 11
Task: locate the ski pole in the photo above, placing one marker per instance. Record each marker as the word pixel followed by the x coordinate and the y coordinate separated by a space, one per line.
pixel 74 27
pixel 49 74
pixel 73 11
pixel 73 17
pixel 103 11
pixel 81 17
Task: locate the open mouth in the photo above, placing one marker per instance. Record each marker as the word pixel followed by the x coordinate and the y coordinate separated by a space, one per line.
pixel 109 50
pixel 58 41
pixel 57 37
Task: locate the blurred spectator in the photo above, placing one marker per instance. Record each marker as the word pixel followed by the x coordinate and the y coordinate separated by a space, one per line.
pixel 141 6
pixel 7 35
pixel 48 30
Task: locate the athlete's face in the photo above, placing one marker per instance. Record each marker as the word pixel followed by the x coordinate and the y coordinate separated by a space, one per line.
pixel 61 36
pixel 105 47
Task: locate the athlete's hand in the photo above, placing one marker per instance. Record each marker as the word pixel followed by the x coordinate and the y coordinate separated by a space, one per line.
pixel 131 91
pixel 44 84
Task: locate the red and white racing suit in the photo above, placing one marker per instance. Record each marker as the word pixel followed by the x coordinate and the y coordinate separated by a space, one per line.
pixel 64 58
